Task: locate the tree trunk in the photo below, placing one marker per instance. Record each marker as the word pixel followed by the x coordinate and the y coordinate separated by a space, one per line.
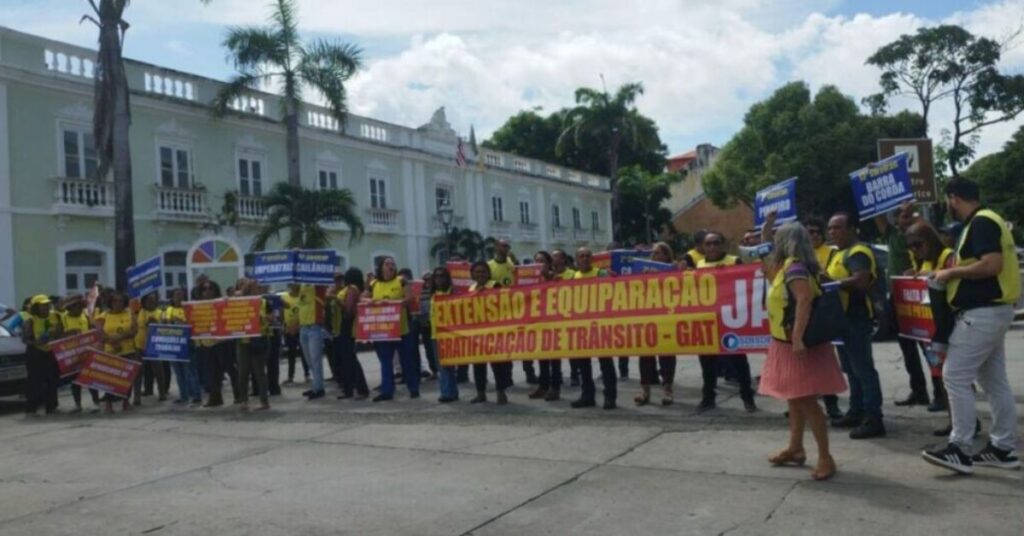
pixel 124 213
pixel 291 122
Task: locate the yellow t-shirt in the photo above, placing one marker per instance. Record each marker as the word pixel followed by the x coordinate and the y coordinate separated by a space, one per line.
pixel 568 274
pixel 307 305
pixel 173 315
pixel 78 323
pixel 392 290
pixel 291 310
pixel 143 319
pixel 593 272
pixel 336 311
pixel 44 328
pixel 118 324
pixel 502 272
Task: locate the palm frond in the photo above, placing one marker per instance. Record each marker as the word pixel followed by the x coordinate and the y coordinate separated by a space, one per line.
pixel 235 88
pixel 252 48
pixel 285 17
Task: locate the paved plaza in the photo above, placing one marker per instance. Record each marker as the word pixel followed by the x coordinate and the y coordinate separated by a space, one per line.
pixel 417 467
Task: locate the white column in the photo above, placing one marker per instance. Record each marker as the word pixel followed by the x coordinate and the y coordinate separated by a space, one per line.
pixel 424 226
pixel 468 186
pixel 482 204
pixel 409 210
pixel 6 219
pixel 542 219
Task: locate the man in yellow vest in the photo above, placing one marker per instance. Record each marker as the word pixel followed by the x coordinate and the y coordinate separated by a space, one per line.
pixel 503 270
pixel 981 289
pixel 854 267
pixel 586 270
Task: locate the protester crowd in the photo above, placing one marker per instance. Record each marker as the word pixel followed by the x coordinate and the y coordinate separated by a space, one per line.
pixel 973 279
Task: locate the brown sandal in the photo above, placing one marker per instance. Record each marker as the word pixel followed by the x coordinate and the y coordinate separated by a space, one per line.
pixel 788 457
pixel 821 476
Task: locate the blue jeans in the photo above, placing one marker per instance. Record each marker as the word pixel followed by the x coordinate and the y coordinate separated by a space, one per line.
pixel 187 376
pixel 410 364
pixel 447 377
pixel 859 365
pixel 311 339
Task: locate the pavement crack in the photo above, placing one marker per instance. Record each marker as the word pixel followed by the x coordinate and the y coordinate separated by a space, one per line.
pixel 781 501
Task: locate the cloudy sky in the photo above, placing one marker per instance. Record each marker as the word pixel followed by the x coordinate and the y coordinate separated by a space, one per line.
pixel 703 62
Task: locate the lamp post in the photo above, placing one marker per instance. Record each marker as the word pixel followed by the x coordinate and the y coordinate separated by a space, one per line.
pixel 446 213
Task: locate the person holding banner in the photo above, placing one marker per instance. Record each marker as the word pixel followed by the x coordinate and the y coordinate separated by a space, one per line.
pixel 290 298
pixel 649 366
pixel 981 289
pixel 311 337
pixel 714 257
pixel 792 371
pixel 448 376
pixel 482 281
pixel 425 335
pixel 117 330
pixel 75 321
pixel 186 374
pixel 503 268
pixel 588 391
pixel 151 370
pixel 549 383
pixel 346 300
pixel 854 267
pixel 696 253
pixel 251 353
pixel 216 356
pixel 387 285
pixel 41 325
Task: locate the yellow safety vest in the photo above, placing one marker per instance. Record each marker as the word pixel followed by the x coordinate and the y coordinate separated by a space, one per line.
pixel 728 260
pixel 566 275
pixel 78 323
pixel 927 266
pixel 392 290
pixel 594 272
pixel 475 287
pixel 837 271
pixel 42 328
pixel 143 319
pixel 1009 277
pixel 824 254
pixel 502 272
pixel 777 300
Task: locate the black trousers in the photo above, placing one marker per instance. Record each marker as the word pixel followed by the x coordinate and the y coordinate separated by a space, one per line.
pixel 659 370
pixel 588 389
pixel 428 347
pixel 274 364
pixel 291 343
pixel 462 374
pixel 41 383
pixel 502 376
pixel 624 366
pixel 353 380
pixel 528 369
pixel 912 362
pixel 151 375
pixel 219 360
pixel 740 365
pixel 550 373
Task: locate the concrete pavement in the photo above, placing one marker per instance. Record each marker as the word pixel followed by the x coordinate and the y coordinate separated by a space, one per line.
pixel 417 467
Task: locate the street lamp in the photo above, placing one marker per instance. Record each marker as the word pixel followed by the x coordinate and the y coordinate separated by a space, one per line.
pixel 446 213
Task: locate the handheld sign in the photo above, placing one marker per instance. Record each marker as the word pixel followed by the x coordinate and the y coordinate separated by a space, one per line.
pixel 108 373
pixel 618 261
pixel 225 318
pixel 315 267
pixel 274 266
pixel 528 274
pixel 167 343
pixel 646 266
pixel 70 351
pixel 913 309
pixel 779 198
pixel 379 321
pixel 882 187
pixel 145 277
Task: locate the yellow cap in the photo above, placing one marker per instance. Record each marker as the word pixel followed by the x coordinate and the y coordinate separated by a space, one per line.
pixel 40 299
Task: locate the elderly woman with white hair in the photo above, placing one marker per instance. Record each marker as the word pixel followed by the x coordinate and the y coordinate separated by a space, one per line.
pixel 792 371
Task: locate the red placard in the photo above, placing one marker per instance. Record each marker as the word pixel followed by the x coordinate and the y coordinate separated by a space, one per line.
pixel 108 373
pixel 417 290
pixel 71 351
pixel 913 308
pixel 379 321
pixel 529 274
pixel 462 278
pixel 226 318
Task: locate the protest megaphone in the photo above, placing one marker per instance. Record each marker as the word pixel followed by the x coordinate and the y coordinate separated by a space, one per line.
pixel 752 254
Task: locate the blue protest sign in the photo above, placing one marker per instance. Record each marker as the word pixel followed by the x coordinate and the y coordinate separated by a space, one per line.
pixel 621 261
pixel 274 267
pixel 315 267
pixel 779 198
pixel 882 186
pixel 166 342
pixel 645 266
pixel 145 277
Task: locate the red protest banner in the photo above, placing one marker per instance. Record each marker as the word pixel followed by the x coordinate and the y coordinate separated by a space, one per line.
pixel 529 274
pixel 108 373
pixel 715 311
pixel 70 351
pixel 417 291
pixel 226 318
pixel 379 321
pixel 913 308
pixel 462 279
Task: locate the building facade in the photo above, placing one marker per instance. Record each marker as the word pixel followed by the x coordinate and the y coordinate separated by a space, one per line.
pixel 191 170
pixel 690 206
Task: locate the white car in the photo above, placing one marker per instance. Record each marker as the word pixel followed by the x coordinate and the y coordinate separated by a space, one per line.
pixel 12 364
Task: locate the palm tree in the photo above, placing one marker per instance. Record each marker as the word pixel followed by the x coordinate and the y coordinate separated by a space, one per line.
pixel 110 124
pixel 301 211
pixel 275 54
pixel 611 120
pixel 466 243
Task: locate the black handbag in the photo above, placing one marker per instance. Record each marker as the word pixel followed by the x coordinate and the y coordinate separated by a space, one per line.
pixel 827 322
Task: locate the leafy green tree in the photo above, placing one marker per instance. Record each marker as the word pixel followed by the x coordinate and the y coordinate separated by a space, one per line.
pixel 301 213
pixel 1000 176
pixel 465 243
pixel 645 191
pixel 819 140
pixel 948 62
pixel 274 54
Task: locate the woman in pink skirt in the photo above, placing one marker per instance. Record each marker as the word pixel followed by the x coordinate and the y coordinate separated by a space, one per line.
pixel 793 372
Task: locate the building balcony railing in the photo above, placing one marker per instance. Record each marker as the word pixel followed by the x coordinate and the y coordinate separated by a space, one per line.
pixel 382 219
pixel 181 202
pixel 559 233
pixel 580 233
pixel 251 208
pixel 529 231
pixel 84 195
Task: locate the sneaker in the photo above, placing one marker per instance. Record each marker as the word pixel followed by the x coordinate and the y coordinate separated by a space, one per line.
pixel 502 397
pixel 833 411
pixel 992 456
pixel 447 399
pixel 951 458
pixel 479 399
pixel 554 394
pixel 938 405
pixel 609 404
pixel 850 420
pixel 538 394
pixel 414 396
pixel 706 404
pixel 750 406
pixel 871 427
pixel 583 403
pixel 383 398
pixel 915 399
pixel 315 395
